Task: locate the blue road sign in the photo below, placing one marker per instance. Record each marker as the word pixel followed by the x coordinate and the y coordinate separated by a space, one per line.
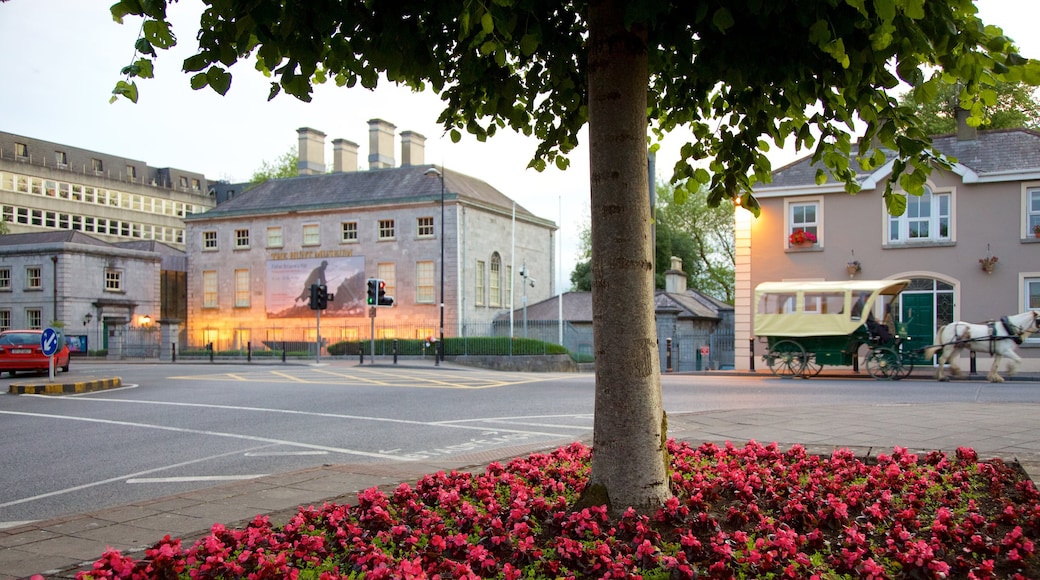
pixel 49 341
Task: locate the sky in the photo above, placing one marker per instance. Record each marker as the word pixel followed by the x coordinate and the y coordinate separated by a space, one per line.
pixel 61 59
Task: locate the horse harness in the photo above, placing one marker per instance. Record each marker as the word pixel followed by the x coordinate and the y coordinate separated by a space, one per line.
pixel 1013 333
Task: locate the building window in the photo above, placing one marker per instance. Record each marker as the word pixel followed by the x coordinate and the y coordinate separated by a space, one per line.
pixel 311 235
pixel 1032 211
pixel 113 280
pixel 61 158
pixel 424 227
pixel 386 229
pixel 98 166
pixel 209 240
pixel 242 288
pixel 5 319
pixel 196 184
pixel 184 182
pixel 5 279
pixel 927 218
pixel 805 216
pixel 349 232
pixel 34 318
pixel 274 237
pixel 496 280
pixel 424 283
pixel 131 173
pixel 480 289
pixel 209 289
pixel 21 150
pixel 33 278
pixel 242 238
pixel 386 272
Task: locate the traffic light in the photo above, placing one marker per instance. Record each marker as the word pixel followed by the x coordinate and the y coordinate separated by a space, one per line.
pixel 323 297
pixel 315 300
pixel 383 299
pixel 373 292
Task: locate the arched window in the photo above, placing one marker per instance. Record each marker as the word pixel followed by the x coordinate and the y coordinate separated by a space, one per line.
pixel 926 219
pixel 495 282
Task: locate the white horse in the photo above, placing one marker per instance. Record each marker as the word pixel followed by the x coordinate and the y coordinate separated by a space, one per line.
pixel 997 338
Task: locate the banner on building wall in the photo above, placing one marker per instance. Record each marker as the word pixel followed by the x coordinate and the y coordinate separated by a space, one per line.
pixel 288 287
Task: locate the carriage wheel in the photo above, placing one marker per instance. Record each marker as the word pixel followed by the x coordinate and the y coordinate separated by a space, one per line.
pixel 787 359
pixel 812 368
pixel 884 364
pixel 906 366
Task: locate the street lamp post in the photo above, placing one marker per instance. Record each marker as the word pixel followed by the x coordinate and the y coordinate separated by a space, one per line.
pixel 439 355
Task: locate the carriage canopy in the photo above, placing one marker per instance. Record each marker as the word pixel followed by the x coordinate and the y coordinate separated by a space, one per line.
pixel 829 308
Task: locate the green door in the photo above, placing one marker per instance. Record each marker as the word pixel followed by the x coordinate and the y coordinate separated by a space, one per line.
pixel 918 314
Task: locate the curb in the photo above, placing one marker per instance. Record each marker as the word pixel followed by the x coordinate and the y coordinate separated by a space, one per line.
pixel 64 388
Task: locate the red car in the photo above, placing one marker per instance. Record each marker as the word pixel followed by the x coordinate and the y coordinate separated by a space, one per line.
pixel 21 350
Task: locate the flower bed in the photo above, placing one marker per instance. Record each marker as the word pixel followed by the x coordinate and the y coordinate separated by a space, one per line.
pixel 739 512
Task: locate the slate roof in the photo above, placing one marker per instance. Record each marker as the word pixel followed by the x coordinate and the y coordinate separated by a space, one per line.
pixel 52 237
pixel 577 306
pixel 993 151
pixel 360 189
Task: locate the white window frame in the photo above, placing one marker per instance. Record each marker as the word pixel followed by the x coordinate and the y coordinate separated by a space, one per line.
pixel 242 288
pixel 33 278
pixel 113 280
pixel 387 272
pixel 480 287
pixel 5 280
pixel 348 232
pixel 791 206
pixel 1029 297
pixel 210 292
pixel 209 241
pixel 242 238
pixel 5 319
pixel 1030 208
pixel 274 237
pixel 934 219
pixel 495 281
pixel 425 291
pixel 387 229
pixel 312 234
pixel 424 227
pixel 33 318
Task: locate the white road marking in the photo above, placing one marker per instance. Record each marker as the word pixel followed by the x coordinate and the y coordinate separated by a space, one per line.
pixel 289 453
pixel 210 433
pixel 117 479
pixel 15 524
pixel 189 479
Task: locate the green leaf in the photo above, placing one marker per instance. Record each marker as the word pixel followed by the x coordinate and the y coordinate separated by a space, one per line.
pixel 895 203
pixel 198 81
pixel 126 90
pixel 529 44
pixel 219 79
pixel 487 23
pixel 723 19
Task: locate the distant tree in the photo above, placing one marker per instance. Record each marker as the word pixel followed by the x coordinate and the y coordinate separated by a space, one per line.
pixel 3 227
pixel 284 166
pixel 581 277
pixel 1015 106
pixel 709 255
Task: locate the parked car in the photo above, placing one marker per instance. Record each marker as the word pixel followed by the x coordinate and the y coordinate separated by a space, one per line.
pixel 21 350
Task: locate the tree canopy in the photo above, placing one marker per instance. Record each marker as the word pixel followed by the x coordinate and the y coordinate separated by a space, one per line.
pixel 285 165
pixel 1015 106
pixel 737 73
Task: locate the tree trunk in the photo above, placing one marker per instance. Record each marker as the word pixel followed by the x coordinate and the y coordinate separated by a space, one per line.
pixel 629 459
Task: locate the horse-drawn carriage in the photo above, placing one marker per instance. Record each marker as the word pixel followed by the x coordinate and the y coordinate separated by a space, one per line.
pixel 808 325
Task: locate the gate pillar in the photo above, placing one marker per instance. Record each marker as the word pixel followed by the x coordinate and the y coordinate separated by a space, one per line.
pixel 170 330
pixel 116 337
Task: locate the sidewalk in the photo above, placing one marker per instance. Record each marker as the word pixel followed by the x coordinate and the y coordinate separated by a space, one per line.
pixel 58 548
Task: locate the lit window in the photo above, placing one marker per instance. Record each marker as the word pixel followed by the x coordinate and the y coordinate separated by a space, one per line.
pixel 274 237
pixel 209 240
pixel 209 289
pixel 479 293
pixel 350 232
pixel 424 227
pixel 386 229
pixel 311 235
pixel 242 288
pixel 386 272
pixel 33 278
pixel 113 280
pixel 424 283
pixel 242 238
pixel 496 280
pixel 34 318
pixel 5 279
pixel 927 218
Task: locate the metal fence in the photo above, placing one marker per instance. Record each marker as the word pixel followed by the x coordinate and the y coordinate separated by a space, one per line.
pixel 693 351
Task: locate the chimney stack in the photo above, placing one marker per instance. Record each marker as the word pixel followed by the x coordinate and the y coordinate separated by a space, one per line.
pixel 413 146
pixel 344 156
pixel 380 144
pixel 312 152
pixel 675 278
pixel 964 131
